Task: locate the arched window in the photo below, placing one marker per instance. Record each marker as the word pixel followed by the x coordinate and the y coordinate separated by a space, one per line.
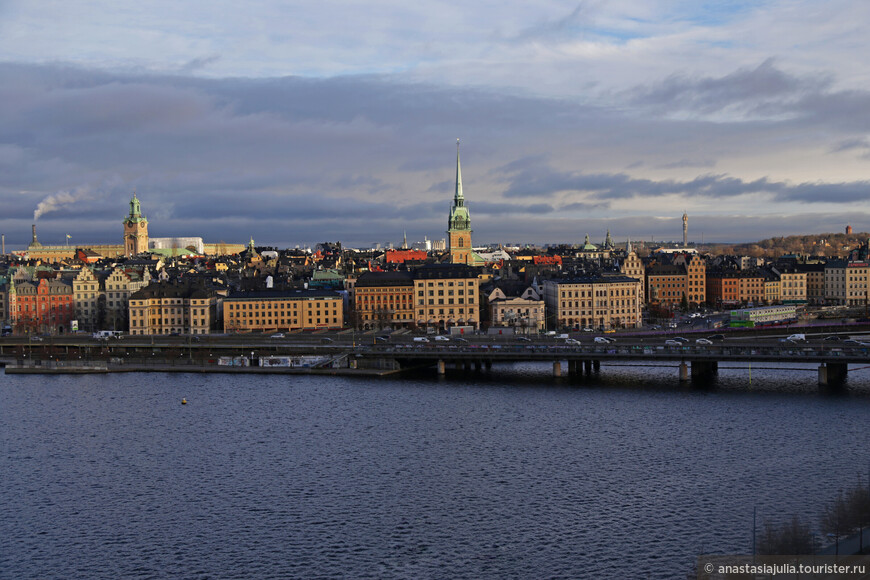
pixel 461 242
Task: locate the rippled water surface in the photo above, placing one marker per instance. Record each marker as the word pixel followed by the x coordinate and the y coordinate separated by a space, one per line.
pixel 509 474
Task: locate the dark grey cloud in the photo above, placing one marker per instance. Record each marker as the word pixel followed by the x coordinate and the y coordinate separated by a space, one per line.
pixel 755 90
pixel 300 160
pixel 541 180
pixel 688 163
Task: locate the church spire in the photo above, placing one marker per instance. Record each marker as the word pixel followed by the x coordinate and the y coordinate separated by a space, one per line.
pixel 458 198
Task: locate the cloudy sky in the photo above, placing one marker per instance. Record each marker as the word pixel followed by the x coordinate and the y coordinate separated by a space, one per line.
pixel 299 122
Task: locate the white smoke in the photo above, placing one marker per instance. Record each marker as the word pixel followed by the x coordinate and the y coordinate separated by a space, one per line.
pixel 62 198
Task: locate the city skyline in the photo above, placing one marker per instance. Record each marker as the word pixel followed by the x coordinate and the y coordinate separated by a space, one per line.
pixel 574 119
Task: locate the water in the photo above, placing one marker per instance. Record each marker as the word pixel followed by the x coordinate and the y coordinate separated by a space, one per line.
pixel 506 475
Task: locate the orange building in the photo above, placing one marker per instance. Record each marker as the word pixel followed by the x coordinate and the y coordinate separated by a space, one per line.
pixel 729 288
pixel 666 284
pixel 402 256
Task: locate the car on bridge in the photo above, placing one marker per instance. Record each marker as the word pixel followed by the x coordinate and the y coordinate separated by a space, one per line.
pixel 604 340
pixel 703 341
pixel 572 341
pixel 672 342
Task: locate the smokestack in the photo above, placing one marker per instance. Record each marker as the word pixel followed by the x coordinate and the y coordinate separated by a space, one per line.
pixel 3 237
pixel 33 227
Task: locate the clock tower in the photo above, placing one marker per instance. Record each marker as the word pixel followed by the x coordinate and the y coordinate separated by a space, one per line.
pixel 135 230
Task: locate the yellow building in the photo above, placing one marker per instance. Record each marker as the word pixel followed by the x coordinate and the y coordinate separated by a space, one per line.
pixel 86 298
pixel 283 310
pixel 793 286
pixel 383 299
pixel 632 266
pixel 162 308
pixel 604 301
pixel 445 295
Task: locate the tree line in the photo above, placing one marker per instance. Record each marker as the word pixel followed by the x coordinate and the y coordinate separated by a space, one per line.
pixel 846 514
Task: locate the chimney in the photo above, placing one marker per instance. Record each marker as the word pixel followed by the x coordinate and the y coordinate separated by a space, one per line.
pixel 33 227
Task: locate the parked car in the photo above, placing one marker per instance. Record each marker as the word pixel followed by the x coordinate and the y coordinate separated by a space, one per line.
pixel 277 335
pixel 588 329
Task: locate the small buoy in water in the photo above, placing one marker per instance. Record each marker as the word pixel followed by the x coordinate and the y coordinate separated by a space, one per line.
pixel 183 401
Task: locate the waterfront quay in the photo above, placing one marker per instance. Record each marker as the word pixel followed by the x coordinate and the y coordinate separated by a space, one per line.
pixel 379 354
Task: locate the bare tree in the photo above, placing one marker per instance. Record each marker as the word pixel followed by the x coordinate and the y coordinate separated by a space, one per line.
pixel 836 518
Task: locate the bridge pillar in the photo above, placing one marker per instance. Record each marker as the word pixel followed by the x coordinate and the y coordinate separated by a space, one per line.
pixel 467 365
pixel 596 364
pixel 832 374
pixel 557 369
pixel 684 372
pixel 587 364
pixel 702 369
pixel 488 364
pixel 477 365
pixel 442 368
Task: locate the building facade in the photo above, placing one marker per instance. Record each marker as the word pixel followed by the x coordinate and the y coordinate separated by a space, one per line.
pixel 283 310
pixel 162 308
pixel 446 295
pixel 118 286
pixel 730 288
pixel 602 302
pixel 86 300
pixel 632 266
pixel 524 315
pixel 39 307
pixel 383 299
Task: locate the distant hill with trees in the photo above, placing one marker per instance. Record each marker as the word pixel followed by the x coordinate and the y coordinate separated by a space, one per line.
pixel 828 245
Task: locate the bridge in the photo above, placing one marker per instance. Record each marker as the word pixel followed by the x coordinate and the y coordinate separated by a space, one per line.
pixel 693 360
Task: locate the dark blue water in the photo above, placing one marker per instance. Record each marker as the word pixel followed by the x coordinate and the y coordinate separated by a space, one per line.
pixel 506 475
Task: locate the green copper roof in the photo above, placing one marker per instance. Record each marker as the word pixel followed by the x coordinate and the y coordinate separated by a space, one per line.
pixel 587 246
pixel 459 219
pixel 135 211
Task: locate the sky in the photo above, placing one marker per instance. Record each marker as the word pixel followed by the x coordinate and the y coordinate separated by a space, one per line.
pixel 301 122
